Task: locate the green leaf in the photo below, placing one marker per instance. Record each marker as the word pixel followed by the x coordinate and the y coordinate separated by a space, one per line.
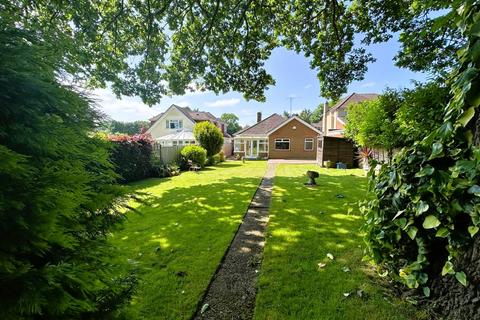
pixel 445 129
pixel 473 230
pixel 466 116
pixel 412 232
pixel 426 291
pixel 437 150
pixel 422 207
pixel 448 268
pixel 426 171
pixel 461 277
pixel 431 222
pixel 442 233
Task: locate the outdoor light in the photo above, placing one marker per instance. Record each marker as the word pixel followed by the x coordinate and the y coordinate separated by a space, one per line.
pixel 294 127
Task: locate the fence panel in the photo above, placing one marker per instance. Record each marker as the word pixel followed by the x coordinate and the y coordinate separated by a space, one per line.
pixel 167 154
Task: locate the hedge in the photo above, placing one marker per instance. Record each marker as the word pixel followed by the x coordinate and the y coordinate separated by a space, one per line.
pixel 132 156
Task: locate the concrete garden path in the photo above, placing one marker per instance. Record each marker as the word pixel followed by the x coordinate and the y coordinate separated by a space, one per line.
pixel 231 292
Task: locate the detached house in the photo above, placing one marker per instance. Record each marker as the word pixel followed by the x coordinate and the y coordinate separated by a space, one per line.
pixel 334 118
pixel 174 127
pixel 276 137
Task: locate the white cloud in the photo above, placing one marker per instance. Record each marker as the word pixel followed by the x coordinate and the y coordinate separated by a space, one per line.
pixel 182 103
pixel 308 86
pixel 125 109
pixel 247 112
pixel 222 103
pixel 367 84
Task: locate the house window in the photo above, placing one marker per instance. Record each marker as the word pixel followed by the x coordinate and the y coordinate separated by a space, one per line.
pixel 282 144
pixel 263 145
pixel 308 146
pixel 237 145
pixel 174 124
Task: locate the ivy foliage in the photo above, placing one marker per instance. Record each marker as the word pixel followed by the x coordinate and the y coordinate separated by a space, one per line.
pixel 426 205
pixel 58 196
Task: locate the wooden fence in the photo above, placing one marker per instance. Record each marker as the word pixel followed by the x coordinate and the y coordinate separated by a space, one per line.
pixel 167 154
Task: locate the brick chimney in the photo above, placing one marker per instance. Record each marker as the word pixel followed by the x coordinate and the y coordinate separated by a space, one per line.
pixel 259 117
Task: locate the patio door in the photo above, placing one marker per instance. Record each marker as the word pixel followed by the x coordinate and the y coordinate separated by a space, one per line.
pixel 251 148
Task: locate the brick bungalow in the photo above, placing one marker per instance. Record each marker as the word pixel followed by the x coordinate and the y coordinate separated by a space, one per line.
pixel 276 137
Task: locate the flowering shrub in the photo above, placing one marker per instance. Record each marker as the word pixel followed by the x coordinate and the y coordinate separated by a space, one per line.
pixel 132 156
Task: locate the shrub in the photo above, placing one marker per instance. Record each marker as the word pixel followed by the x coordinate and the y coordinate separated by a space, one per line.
pixel 58 194
pixel 209 137
pixel 221 156
pixel 132 156
pixel 194 153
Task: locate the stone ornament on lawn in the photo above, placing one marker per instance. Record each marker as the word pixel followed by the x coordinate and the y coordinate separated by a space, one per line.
pixel 312 175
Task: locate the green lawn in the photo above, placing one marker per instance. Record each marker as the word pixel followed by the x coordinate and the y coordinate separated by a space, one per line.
pixel 179 237
pixel 305 225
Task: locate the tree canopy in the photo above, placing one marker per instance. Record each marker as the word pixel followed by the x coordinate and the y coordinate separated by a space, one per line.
pixel 397 118
pixel 232 122
pixel 157 48
pixel 130 128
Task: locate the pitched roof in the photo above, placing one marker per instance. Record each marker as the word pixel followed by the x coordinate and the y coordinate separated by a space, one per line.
pixel 263 126
pixel 195 116
pixel 306 124
pixel 353 98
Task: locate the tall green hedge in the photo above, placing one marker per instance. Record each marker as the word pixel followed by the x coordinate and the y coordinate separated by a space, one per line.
pixel 132 156
pixel 58 194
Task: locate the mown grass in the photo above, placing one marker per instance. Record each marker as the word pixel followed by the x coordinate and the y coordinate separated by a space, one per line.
pixel 178 238
pixel 305 225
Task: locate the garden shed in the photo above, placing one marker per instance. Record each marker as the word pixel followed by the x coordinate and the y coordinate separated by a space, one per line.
pixel 335 149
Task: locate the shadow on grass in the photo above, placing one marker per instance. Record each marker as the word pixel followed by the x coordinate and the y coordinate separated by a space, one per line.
pixel 298 280
pixel 179 238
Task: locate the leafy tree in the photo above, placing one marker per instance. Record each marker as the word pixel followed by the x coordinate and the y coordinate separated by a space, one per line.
pixel 398 118
pixel 372 123
pixel 306 115
pixel 421 111
pixel 129 128
pixel 58 195
pixel 209 137
pixel 317 114
pixel 232 122
pixel 221 45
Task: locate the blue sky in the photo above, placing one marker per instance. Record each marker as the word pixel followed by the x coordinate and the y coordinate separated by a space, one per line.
pixel 293 76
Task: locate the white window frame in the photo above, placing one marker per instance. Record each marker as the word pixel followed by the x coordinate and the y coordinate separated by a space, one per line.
pixel 282 140
pixel 178 124
pixel 264 143
pixel 237 145
pixel 308 140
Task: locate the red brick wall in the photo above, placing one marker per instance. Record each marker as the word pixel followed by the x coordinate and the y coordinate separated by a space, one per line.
pixel 297 141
